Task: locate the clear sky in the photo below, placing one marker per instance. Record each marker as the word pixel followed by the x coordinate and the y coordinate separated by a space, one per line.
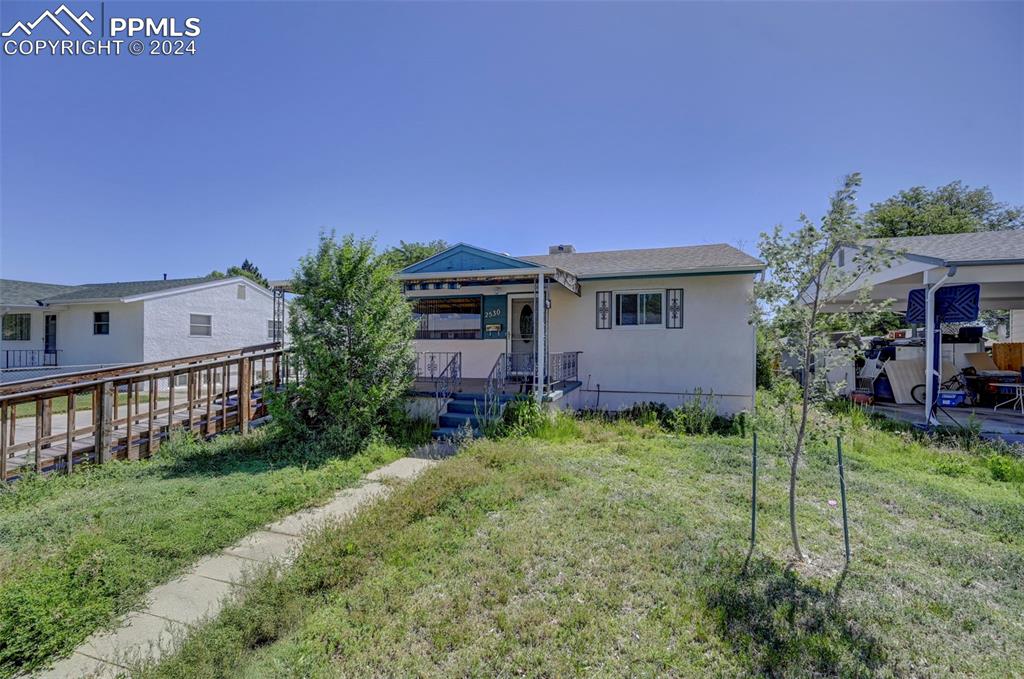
pixel 510 126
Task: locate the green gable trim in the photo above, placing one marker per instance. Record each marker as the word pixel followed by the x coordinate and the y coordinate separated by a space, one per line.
pixel 464 257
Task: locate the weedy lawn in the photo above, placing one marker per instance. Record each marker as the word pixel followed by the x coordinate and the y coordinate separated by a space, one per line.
pixel 76 551
pixel 596 549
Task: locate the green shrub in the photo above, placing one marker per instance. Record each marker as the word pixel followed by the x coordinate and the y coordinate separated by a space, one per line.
pixel 351 331
pixel 696 416
pixel 1004 468
pixel 954 467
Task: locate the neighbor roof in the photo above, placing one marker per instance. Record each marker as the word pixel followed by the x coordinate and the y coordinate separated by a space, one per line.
pixel 986 247
pixel 119 290
pixel 27 293
pixel 691 258
pixel 23 293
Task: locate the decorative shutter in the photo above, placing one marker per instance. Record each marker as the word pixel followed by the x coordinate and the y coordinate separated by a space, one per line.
pixel 674 308
pixel 604 310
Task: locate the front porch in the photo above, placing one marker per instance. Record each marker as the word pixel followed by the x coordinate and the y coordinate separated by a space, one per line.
pixel 440 373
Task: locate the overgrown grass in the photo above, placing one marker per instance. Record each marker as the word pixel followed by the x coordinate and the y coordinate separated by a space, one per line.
pixel 75 551
pixel 619 550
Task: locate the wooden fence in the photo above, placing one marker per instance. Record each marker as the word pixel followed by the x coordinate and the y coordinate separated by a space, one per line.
pixel 129 410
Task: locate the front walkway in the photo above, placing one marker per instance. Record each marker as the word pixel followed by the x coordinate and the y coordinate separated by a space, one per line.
pixel 200 593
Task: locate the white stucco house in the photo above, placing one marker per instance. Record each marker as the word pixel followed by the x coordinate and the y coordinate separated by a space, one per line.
pixel 115 323
pixel 619 327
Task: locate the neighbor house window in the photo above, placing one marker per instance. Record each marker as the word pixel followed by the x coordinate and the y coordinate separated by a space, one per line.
pixel 200 325
pixel 101 323
pixel 241 292
pixel 275 329
pixel 638 309
pixel 448 317
pixel 17 327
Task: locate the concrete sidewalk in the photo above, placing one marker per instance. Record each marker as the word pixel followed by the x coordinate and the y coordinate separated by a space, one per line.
pixel 199 594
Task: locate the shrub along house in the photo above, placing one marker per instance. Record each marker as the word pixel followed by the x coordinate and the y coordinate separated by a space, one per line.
pixel 586 329
pixel 59 326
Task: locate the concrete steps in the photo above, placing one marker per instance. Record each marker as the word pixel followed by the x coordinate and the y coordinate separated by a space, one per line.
pixel 463 410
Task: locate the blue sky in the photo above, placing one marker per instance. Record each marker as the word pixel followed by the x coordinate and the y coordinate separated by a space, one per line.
pixel 510 126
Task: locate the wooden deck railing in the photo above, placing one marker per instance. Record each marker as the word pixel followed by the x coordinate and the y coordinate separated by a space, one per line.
pixel 129 410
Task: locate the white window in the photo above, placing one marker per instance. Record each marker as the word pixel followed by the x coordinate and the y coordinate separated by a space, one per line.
pixel 275 329
pixel 200 325
pixel 101 323
pixel 17 327
pixel 241 292
pixel 639 308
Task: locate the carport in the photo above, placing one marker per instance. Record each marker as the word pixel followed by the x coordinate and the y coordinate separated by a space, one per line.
pixel 994 260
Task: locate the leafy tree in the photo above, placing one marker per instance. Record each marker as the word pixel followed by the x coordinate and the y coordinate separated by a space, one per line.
pixel 402 255
pixel 351 332
pixel 953 208
pixel 247 270
pixel 802 281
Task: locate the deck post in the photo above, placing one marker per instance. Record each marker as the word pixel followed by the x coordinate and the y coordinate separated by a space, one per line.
pixel 39 435
pixel 539 332
pixel 105 434
pixel 153 437
pixel 133 453
pixel 69 435
pixel 3 442
pixel 47 419
pixel 244 392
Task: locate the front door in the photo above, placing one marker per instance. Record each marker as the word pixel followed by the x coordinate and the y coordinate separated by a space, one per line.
pixel 50 334
pixel 522 326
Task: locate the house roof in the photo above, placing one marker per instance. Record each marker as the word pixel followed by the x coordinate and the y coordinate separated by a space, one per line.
pixel 27 293
pixel 691 258
pixel 23 293
pixel 963 249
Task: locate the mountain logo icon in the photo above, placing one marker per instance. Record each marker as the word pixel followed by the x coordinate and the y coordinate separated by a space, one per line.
pixel 77 20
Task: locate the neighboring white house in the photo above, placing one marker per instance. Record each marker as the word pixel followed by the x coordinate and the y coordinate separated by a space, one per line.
pixel 109 323
pixel 620 327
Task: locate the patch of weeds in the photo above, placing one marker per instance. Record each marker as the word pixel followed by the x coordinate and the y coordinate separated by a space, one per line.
pixel 784 626
pixel 952 466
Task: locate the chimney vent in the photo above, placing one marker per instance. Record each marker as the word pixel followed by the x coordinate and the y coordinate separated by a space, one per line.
pixel 165 277
pixel 560 249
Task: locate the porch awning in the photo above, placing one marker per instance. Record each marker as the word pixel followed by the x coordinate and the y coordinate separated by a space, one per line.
pixel 445 279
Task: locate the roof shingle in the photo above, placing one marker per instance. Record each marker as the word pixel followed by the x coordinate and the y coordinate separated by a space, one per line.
pixel 959 248
pixel 649 260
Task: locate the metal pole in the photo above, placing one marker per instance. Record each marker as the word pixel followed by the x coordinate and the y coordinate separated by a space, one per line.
pixel 842 495
pixel 539 330
pixel 753 496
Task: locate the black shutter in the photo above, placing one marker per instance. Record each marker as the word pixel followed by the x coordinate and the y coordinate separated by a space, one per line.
pixel 604 310
pixel 674 308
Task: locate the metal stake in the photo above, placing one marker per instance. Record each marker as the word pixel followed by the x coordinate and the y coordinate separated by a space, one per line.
pixel 753 496
pixel 842 494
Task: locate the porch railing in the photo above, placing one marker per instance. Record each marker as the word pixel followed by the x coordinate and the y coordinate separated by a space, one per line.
pixel 446 381
pixel 430 364
pixel 30 358
pixel 495 383
pixel 444 369
pixel 562 367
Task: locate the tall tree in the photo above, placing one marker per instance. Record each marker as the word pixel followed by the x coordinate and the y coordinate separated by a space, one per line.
pixel 402 255
pixel 953 208
pixel 246 270
pixel 351 332
pixel 803 279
